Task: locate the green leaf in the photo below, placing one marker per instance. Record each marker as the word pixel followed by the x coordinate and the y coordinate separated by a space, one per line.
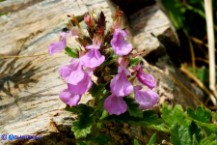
pixel 180 135
pixel 202 118
pixel 133 108
pixel 208 127
pixel 178 124
pixel 196 10
pixel 71 52
pixel 104 114
pixel 202 74
pixel 150 120
pixel 200 114
pixel 174 115
pixel 135 142
pixel 134 61
pixel 195 133
pixel 81 143
pixel 176 12
pixel 152 139
pixel 81 128
pixel 98 91
pixel 100 139
pixel 210 140
pixel 195 140
pixel 81 109
pixel 215 116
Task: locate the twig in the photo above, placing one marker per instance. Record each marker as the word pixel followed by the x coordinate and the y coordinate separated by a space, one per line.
pixel 186 89
pixel 198 41
pixel 211 44
pixel 202 60
pixel 192 57
pixel 198 82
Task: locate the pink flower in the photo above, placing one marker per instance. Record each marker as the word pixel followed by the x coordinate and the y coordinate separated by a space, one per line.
pixel 145 99
pixel 69 98
pixel 97 41
pixel 92 58
pixel 82 87
pixel 115 105
pixel 119 44
pixel 123 63
pixel 89 20
pixel 146 79
pixel 120 86
pixel 74 31
pixel 72 73
pixel 58 46
pixel 117 23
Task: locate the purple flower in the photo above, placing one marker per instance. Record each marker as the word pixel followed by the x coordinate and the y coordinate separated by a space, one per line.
pixel 82 87
pixel 92 58
pixel 123 63
pixel 115 105
pixel 96 43
pixel 145 99
pixel 119 44
pixel 69 98
pixel 93 46
pixel 146 79
pixel 120 86
pixel 58 46
pixel 72 73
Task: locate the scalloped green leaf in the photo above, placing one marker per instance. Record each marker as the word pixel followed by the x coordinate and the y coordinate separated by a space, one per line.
pixel 200 114
pixel 133 108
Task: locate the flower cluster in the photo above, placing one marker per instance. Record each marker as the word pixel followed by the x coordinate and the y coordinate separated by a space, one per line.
pixel 93 59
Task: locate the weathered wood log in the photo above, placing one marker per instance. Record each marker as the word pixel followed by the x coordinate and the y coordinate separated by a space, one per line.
pixel 29 86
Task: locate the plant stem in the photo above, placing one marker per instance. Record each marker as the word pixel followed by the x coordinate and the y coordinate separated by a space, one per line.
pixel 198 82
pixel 211 44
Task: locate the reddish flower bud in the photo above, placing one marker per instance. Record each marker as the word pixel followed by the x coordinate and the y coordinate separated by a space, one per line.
pixel 89 20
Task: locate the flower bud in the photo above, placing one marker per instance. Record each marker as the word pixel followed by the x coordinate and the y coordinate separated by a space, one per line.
pixel 89 20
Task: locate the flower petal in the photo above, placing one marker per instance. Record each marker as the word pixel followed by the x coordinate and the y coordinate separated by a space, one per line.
pixel 145 99
pixel 146 79
pixel 72 73
pixel 92 58
pixel 89 20
pixel 69 98
pixel 115 105
pixel 82 87
pixel 119 44
pixel 123 63
pixel 97 41
pixel 57 46
pixel 120 86
pixel 93 46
